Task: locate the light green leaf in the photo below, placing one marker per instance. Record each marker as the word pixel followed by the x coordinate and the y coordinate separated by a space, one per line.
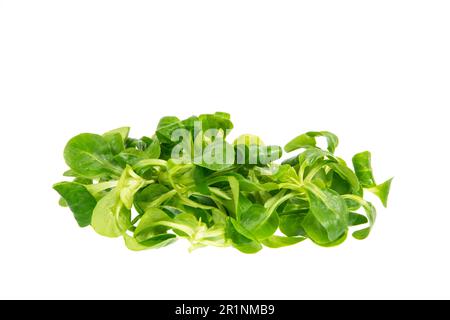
pixel 302 141
pixel 259 221
pixel 235 191
pixel 128 185
pixel 110 217
pixel 116 142
pixel 90 155
pixel 147 197
pixel 123 132
pixel 275 242
pixel 382 191
pixel 149 226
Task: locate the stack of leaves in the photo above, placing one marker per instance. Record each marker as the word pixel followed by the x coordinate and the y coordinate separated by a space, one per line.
pixel 137 189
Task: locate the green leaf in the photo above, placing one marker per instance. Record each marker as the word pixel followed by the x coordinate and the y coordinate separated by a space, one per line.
pixel 309 140
pixel 218 121
pixel 362 162
pixel 149 226
pixel 116 142
pixel 219 217
pixel 347 174
pixel 98 190
pixel 382 191
pixel 327 219
pixel 160 241
pixel 218 156
pixel 63 203
pixel 332 139
pixel 153 151
pixel 156 242
pixel 79 200
pixel 90 155
pixel 147 197
pixel 311 156
pixel 361 234
pixel 286 173
pixel 339 184
pixel 133 156
pixel 337 242
pixel 302 141
pixel 240 238
pixel 200 178
pixel 235 191
pixel 291 224
pixel 111 218
pixel 123 132
pixel 259 221
pixel 356 219
pixel 371 215
pixel 275 242
pixel 191 124
pixel 222 114
pixel 128 185
pixel 167 127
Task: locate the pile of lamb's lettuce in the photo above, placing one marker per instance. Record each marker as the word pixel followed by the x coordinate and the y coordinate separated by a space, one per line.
pixel 186 181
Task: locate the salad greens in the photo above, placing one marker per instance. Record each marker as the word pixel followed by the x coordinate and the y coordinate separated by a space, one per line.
pixel 186 181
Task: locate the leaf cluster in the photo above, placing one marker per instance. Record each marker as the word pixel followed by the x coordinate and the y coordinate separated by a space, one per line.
pixel 241 196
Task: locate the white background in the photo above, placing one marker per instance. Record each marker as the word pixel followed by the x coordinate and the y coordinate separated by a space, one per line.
pixel 377 73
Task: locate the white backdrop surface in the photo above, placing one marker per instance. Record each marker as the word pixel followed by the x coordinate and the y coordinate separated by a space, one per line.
pixel 377 73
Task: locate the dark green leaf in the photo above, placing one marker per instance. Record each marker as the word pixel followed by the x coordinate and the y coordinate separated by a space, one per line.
pixel 347 174
pixel 166 127
pixel 79 200
pixel 327 219
pixel 292 224
pixel 356 219
pixel 241 239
